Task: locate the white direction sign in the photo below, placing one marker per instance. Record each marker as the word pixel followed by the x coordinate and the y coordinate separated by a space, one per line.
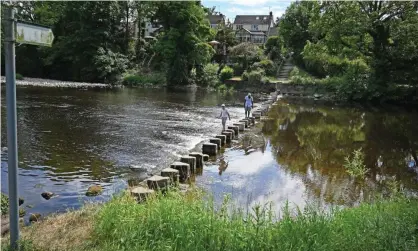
pixel 33 34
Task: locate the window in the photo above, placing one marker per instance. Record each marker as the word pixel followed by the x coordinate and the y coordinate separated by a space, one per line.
pixel 255 27
pixel 239 26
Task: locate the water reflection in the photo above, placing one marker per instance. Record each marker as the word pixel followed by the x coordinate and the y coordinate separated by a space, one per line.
pixel 69 139
pixel 303 160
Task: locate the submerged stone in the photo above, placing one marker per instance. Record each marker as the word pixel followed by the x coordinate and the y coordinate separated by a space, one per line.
pixel 94 190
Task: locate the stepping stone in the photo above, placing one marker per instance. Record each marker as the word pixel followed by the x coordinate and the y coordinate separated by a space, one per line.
pixel 191 161
pixel 222 138
pixel 228 136
pixel 205 157
pixel 233 133
pixel 266 118
pixel 245 122
pixel 157 182
pixel 241 126
pixel 199 159
pixel 210 149
pixel 216 141
pixel 184 170
pixel 141 193
pixel 235 129
pixel 172 174
pixel 252 120
pixel 257 115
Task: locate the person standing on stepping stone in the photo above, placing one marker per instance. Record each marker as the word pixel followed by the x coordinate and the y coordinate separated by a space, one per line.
pixel 224 116
pixel 248 105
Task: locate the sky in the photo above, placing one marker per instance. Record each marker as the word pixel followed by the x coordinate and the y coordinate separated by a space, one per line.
pixel 231 8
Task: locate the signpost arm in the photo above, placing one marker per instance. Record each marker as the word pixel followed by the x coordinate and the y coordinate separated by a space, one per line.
pixel 11 126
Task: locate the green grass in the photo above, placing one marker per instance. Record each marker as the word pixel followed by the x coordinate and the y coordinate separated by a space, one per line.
pixel 187 222
pixel 144 79
pixel 176 222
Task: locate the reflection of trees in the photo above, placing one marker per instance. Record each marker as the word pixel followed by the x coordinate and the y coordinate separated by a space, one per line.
pixel 313 143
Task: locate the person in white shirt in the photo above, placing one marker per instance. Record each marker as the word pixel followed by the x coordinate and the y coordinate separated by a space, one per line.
pixel 248 105
pixel 224 116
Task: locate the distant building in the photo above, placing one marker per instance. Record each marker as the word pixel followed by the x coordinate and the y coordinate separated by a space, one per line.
pixel 215 20
pixel 253 28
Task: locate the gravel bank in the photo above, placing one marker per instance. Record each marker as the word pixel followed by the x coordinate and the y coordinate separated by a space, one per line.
pixel 55 83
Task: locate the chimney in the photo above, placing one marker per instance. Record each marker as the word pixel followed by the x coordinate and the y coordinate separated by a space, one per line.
pixel 271 13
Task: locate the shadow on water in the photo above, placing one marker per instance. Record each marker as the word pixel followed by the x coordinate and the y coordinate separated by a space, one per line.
pixel 304 157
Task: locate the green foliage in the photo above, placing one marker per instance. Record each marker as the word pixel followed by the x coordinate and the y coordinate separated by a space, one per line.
pixel 4 204
pixel 369 49
pixel 165 223
pixel 110 65
pixel 245 54
pixel 19 76
pixel 210 75
pixel 141 79
pixel 255 77
pixel 184 41
pixel 226 73
pixel 238 68
pixel 355 166
pixel 267 65
pixel 273 48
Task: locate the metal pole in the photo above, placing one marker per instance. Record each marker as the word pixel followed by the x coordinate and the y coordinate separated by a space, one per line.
pixel 11 126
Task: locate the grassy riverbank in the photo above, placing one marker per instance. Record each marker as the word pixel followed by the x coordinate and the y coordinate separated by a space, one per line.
pixel 186 222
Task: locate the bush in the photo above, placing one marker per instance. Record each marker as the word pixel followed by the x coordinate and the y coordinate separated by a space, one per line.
pixel 153 78
pixel 209 75
pixel 19 76
pixel 267 65
pixel 4 204
pixel 226 73
pixel 238 69
pixel 255 77
pixel 110 65
pixel 244 76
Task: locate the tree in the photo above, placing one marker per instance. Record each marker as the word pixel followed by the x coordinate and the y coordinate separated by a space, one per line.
pixel 273 48
pixel 183 44
pixel 246 54
pixel 294 26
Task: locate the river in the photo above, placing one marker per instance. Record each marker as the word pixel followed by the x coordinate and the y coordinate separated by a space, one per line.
pixel 70 139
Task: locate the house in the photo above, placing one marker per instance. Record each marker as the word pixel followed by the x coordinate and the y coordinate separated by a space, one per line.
pixel 151 28
pixel 253 28
pixel 214 20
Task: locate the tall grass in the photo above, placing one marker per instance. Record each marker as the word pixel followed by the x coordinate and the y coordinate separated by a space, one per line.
pixel 186 222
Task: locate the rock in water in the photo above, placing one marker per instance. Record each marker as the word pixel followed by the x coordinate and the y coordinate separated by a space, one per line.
pixel 22 212
pixel 47 195
pixel 34 217
pixel 21 201
pixel 94 190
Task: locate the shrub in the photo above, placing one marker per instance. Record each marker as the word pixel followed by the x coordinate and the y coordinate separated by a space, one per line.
pixel 255 77
pixel 226 73
pixel 19 76
pixel 267 65
pixel 209 75
pixel 154 78
pixel 4 204
pixel 238 69
pixel 110 65
pixel 355 165
pixel 244 76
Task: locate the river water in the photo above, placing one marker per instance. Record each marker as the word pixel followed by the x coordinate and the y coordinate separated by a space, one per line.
pixel 70 139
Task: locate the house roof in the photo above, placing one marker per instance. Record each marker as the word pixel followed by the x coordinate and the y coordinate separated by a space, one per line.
pixel 252 32
pixel 252 19
pixel 215 19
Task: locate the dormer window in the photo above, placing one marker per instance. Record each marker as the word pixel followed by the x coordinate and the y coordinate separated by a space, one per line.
pixel 257 18
pixel 265 18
